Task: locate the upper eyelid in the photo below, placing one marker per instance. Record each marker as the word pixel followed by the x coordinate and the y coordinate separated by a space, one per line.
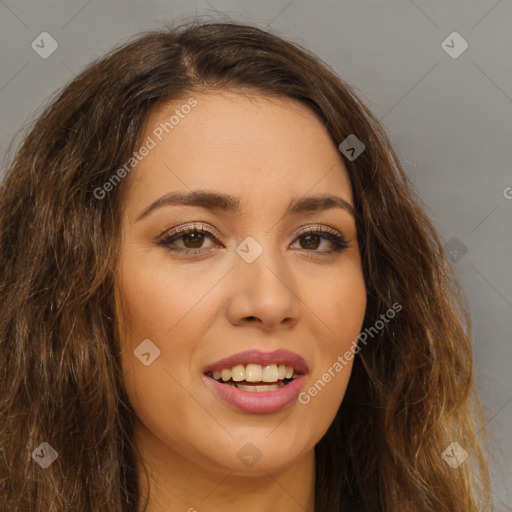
pixel 181 230
pixel 320 228
pixel 170 235
pixel 332 235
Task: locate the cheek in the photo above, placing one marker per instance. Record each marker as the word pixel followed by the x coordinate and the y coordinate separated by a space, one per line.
pixel 341 307
pixel 339 319
pixel 157 298
pixel 154 311
pixel 169 309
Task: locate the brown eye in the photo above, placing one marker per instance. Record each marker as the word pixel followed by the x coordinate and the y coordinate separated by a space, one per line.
pixel 189 239
pixel 311 242
pixel 196 240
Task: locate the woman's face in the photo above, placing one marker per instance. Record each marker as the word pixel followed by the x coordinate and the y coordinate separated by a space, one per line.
pixel 254 277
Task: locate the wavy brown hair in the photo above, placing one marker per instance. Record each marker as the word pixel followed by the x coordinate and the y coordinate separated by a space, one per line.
pixel 411 392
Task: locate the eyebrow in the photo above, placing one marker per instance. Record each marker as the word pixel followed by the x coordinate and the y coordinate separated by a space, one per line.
pixel 227 203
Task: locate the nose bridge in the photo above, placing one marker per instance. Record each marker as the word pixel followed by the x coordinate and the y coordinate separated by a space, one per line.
pixel 264 286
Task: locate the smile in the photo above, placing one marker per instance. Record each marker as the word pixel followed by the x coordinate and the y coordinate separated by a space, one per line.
pixel 255 377
pixel 260 386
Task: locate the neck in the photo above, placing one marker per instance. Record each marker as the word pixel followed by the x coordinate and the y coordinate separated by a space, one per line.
pixel 177 483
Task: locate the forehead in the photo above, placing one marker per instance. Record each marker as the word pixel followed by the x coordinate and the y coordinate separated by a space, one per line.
pixel 268 148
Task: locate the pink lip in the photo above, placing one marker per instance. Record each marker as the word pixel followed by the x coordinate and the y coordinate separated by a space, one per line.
pixel 263 358
pixel 265 402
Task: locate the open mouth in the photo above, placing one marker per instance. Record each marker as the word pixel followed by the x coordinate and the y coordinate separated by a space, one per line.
pixel 256 378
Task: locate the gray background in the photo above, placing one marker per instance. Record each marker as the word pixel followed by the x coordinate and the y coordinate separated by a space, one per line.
pixel 449 119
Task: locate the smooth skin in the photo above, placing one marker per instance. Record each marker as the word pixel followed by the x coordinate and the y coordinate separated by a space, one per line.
pixel 199 307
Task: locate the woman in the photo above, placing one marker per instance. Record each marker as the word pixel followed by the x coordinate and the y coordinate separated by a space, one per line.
pixel 219 293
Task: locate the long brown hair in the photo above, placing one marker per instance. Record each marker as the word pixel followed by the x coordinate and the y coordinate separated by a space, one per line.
pixel 411 393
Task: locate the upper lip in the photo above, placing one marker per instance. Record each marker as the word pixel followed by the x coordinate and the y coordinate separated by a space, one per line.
pixel 263 358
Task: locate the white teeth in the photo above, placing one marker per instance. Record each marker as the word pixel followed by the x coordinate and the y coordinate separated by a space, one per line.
pixel 238 373
pixel 257 389
pixel 270 373
pixel 255 373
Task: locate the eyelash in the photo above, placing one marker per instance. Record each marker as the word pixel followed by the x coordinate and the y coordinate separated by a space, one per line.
pixel 338 241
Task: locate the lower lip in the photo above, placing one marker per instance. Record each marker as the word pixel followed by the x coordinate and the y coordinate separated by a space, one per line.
pixel 258 402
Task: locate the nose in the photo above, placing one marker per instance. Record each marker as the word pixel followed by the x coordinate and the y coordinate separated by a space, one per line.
pixel 263 293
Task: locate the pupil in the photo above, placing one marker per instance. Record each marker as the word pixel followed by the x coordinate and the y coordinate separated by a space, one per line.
pixel 306 237
pixel 195 243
